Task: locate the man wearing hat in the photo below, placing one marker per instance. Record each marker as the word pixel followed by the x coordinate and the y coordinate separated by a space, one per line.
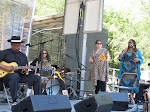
pixel 12 79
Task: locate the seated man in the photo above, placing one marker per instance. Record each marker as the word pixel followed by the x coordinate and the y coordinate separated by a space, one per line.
pixel 12 79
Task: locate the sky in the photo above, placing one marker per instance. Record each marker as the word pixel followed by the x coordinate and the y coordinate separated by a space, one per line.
pixel 125 6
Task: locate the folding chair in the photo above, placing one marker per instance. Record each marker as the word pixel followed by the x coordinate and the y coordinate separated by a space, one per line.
pixel 21 92
pixel 129 76
pixel 6 90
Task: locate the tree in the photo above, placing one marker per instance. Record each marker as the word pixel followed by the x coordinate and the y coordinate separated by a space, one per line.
pixel 49 7
pixel 124 25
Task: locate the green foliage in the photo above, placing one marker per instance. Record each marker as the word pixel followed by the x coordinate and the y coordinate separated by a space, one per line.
pixel 53 43
pixel 49 7
pixel 123 27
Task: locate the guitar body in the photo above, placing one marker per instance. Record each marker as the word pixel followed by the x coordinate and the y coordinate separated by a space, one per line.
pixel 4 72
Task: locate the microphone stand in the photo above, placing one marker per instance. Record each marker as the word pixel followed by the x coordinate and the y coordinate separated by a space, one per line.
pixel 53 77
pixel 147 102
pixel 75 60
pixel 41 71
pixel 78 71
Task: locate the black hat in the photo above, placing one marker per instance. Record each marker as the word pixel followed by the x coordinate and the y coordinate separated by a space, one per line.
pixel 15 39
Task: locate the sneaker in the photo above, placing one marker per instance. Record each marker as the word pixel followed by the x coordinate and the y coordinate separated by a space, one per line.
pixel 13 105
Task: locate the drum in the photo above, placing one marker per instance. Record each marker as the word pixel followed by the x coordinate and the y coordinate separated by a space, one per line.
pixel 47 69
pixel 63 69
pixel 54 86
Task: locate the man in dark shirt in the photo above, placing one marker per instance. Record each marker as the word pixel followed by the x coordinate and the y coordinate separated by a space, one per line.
pixel 12 79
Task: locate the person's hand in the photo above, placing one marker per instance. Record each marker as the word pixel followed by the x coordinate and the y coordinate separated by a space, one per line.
pixel 106 60
pixel 148 94
pixel 136 60
pixel 120 55
pixel 25 69
pixel 146 97
pixel 9 68
pixel 91 60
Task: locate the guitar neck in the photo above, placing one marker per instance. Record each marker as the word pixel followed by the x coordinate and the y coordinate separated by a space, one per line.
pixel 20 67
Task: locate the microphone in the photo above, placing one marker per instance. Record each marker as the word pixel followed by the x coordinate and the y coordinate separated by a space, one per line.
pixel 107 44
pixel 68 55
pixel 132 45
pixel 29 44
pixel 148 64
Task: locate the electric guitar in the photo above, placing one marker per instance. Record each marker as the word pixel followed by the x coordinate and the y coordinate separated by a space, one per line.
pixel 16 67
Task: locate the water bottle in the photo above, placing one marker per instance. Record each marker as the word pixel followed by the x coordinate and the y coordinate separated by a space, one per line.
pixel 85 96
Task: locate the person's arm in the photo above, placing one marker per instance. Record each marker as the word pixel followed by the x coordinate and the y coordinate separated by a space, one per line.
pixel 107 57
pixel 146 98
pixel 139 58
pixel 91 60
pixel 121 54
pixel 25 68
pixel 7 68
pixel 121 60
pixel 34 62
pixel 2 57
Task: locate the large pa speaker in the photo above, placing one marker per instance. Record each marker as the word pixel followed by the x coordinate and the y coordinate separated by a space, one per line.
pixel 44 103
pixel 96 103
pixel 120 100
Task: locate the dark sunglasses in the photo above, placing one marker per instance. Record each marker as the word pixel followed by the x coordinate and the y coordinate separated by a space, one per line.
pixel 44 53
pixel 98 43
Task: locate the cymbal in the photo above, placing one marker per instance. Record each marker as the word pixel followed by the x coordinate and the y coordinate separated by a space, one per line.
pixel 70 73
pixel 63 69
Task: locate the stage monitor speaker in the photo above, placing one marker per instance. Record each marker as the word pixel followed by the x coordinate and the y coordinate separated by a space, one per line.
pixel 96 103
pixel 44 103
pixel 71 16
pixel 93 19
pixel 120 100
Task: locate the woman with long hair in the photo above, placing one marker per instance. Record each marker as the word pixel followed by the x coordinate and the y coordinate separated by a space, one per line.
pixel 46 56
pixel 46 63
pixel 131 59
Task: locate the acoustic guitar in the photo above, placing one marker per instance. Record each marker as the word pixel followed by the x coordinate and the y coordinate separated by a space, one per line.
pixel 16 67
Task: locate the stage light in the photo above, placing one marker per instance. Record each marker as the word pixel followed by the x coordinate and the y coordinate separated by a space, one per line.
pixel 71 16
pixel 93 17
